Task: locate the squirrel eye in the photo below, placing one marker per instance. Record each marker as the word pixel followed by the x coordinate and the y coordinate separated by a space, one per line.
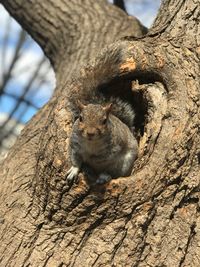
pixel 104 121
pixel 80 118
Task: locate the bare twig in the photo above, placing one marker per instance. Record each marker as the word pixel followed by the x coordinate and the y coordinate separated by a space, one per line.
pixel 16 56
pixel 25 91
pixel 4 47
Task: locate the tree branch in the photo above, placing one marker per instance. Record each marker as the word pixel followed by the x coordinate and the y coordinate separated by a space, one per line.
pixel 171 20
pixel 148 219
pixel 62 30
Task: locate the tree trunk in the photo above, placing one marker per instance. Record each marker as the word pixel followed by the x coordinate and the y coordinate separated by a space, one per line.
pixel 148 219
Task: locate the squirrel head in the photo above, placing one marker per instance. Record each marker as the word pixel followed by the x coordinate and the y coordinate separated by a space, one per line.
pixel 93 120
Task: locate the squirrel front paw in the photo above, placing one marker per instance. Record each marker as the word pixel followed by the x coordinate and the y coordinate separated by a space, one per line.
pixel 72 173
pixel 103 178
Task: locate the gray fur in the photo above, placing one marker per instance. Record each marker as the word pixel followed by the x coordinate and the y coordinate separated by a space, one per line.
pixel 112 151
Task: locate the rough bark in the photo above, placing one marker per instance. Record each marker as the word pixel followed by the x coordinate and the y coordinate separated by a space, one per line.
pixel 72 30
pixel 148 219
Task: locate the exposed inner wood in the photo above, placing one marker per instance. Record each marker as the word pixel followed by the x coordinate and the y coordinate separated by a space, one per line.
pixel 148 219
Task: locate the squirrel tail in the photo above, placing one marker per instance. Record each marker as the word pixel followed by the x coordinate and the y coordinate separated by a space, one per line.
pixel 123 110
pixel 96 74
pixel 120 108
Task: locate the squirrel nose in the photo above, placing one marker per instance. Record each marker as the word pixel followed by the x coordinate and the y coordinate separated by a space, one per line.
pixel 90 132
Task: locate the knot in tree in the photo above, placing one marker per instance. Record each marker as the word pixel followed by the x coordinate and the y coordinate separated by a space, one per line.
pixel 149 217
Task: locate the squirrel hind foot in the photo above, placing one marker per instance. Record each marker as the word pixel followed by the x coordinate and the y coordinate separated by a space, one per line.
pixel 72 173
pixel 103 178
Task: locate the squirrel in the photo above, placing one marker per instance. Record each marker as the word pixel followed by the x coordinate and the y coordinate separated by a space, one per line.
pixel 102 138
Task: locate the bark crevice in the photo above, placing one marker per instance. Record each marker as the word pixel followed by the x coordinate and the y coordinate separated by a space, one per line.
pixel 148 219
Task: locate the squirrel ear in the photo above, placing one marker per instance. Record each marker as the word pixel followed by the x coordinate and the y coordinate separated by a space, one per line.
pixel 80 105
pixel 107 108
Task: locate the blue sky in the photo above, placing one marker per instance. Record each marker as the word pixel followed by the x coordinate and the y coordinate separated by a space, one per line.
pixel 144 10
pixel 31 55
